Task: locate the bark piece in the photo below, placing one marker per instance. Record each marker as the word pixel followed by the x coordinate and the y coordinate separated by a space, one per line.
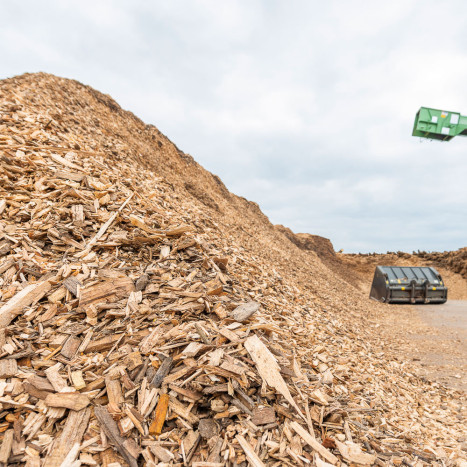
pixel 208 428
pixel 42 384
pixel 263 416
pixel 162 372
pixel 73 285
pixel 70 347
pixel 142 282
pixel 34 392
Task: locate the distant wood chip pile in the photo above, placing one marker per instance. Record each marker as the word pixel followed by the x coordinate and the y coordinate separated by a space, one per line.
pixel 130 333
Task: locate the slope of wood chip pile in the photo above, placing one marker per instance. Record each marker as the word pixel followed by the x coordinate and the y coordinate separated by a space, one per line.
pixel 135 330
pixel 454 260
pixel 324 249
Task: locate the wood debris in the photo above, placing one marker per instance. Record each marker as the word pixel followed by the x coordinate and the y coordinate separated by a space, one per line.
pixel 140 325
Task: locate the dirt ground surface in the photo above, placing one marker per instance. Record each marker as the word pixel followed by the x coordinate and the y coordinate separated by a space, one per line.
pixel 434 337
pixel 448 360
pixel 450 315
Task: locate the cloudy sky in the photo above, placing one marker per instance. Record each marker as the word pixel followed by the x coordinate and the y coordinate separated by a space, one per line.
pixel 305 107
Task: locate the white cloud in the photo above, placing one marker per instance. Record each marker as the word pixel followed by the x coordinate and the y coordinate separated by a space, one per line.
pixel 306 107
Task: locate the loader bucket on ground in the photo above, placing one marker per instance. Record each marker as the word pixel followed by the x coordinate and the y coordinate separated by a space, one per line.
pixel 394 284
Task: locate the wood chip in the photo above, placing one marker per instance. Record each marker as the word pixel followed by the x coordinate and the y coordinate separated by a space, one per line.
pixel 161 412
pixel 263 416
pixel 162 372
pixel 72 401
pixel 311 441
pixel 5 449
pixel 268 368
pixel 353 453
pixel 8 368
pixel 111 289
pixel 56 380
pixel 30 294
pixel 111 430
pixel 249 451
pixel 73 431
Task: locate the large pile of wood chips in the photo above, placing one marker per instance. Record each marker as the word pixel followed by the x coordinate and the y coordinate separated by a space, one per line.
pixel 150 317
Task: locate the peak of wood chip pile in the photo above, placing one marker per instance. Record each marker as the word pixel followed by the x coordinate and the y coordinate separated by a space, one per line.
pixel 142 323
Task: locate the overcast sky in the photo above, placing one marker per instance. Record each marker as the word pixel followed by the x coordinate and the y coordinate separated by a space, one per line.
pixel 305 107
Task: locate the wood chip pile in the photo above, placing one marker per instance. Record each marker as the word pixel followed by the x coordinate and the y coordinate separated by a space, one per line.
pixel 454 260
pixel 135 329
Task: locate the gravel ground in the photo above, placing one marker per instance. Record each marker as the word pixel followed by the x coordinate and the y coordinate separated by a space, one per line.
pixel 433 338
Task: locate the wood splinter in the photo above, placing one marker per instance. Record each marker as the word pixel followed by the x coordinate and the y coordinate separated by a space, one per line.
pixel 161 413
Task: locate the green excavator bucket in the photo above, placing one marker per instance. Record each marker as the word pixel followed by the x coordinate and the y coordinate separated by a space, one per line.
pixel 439 124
